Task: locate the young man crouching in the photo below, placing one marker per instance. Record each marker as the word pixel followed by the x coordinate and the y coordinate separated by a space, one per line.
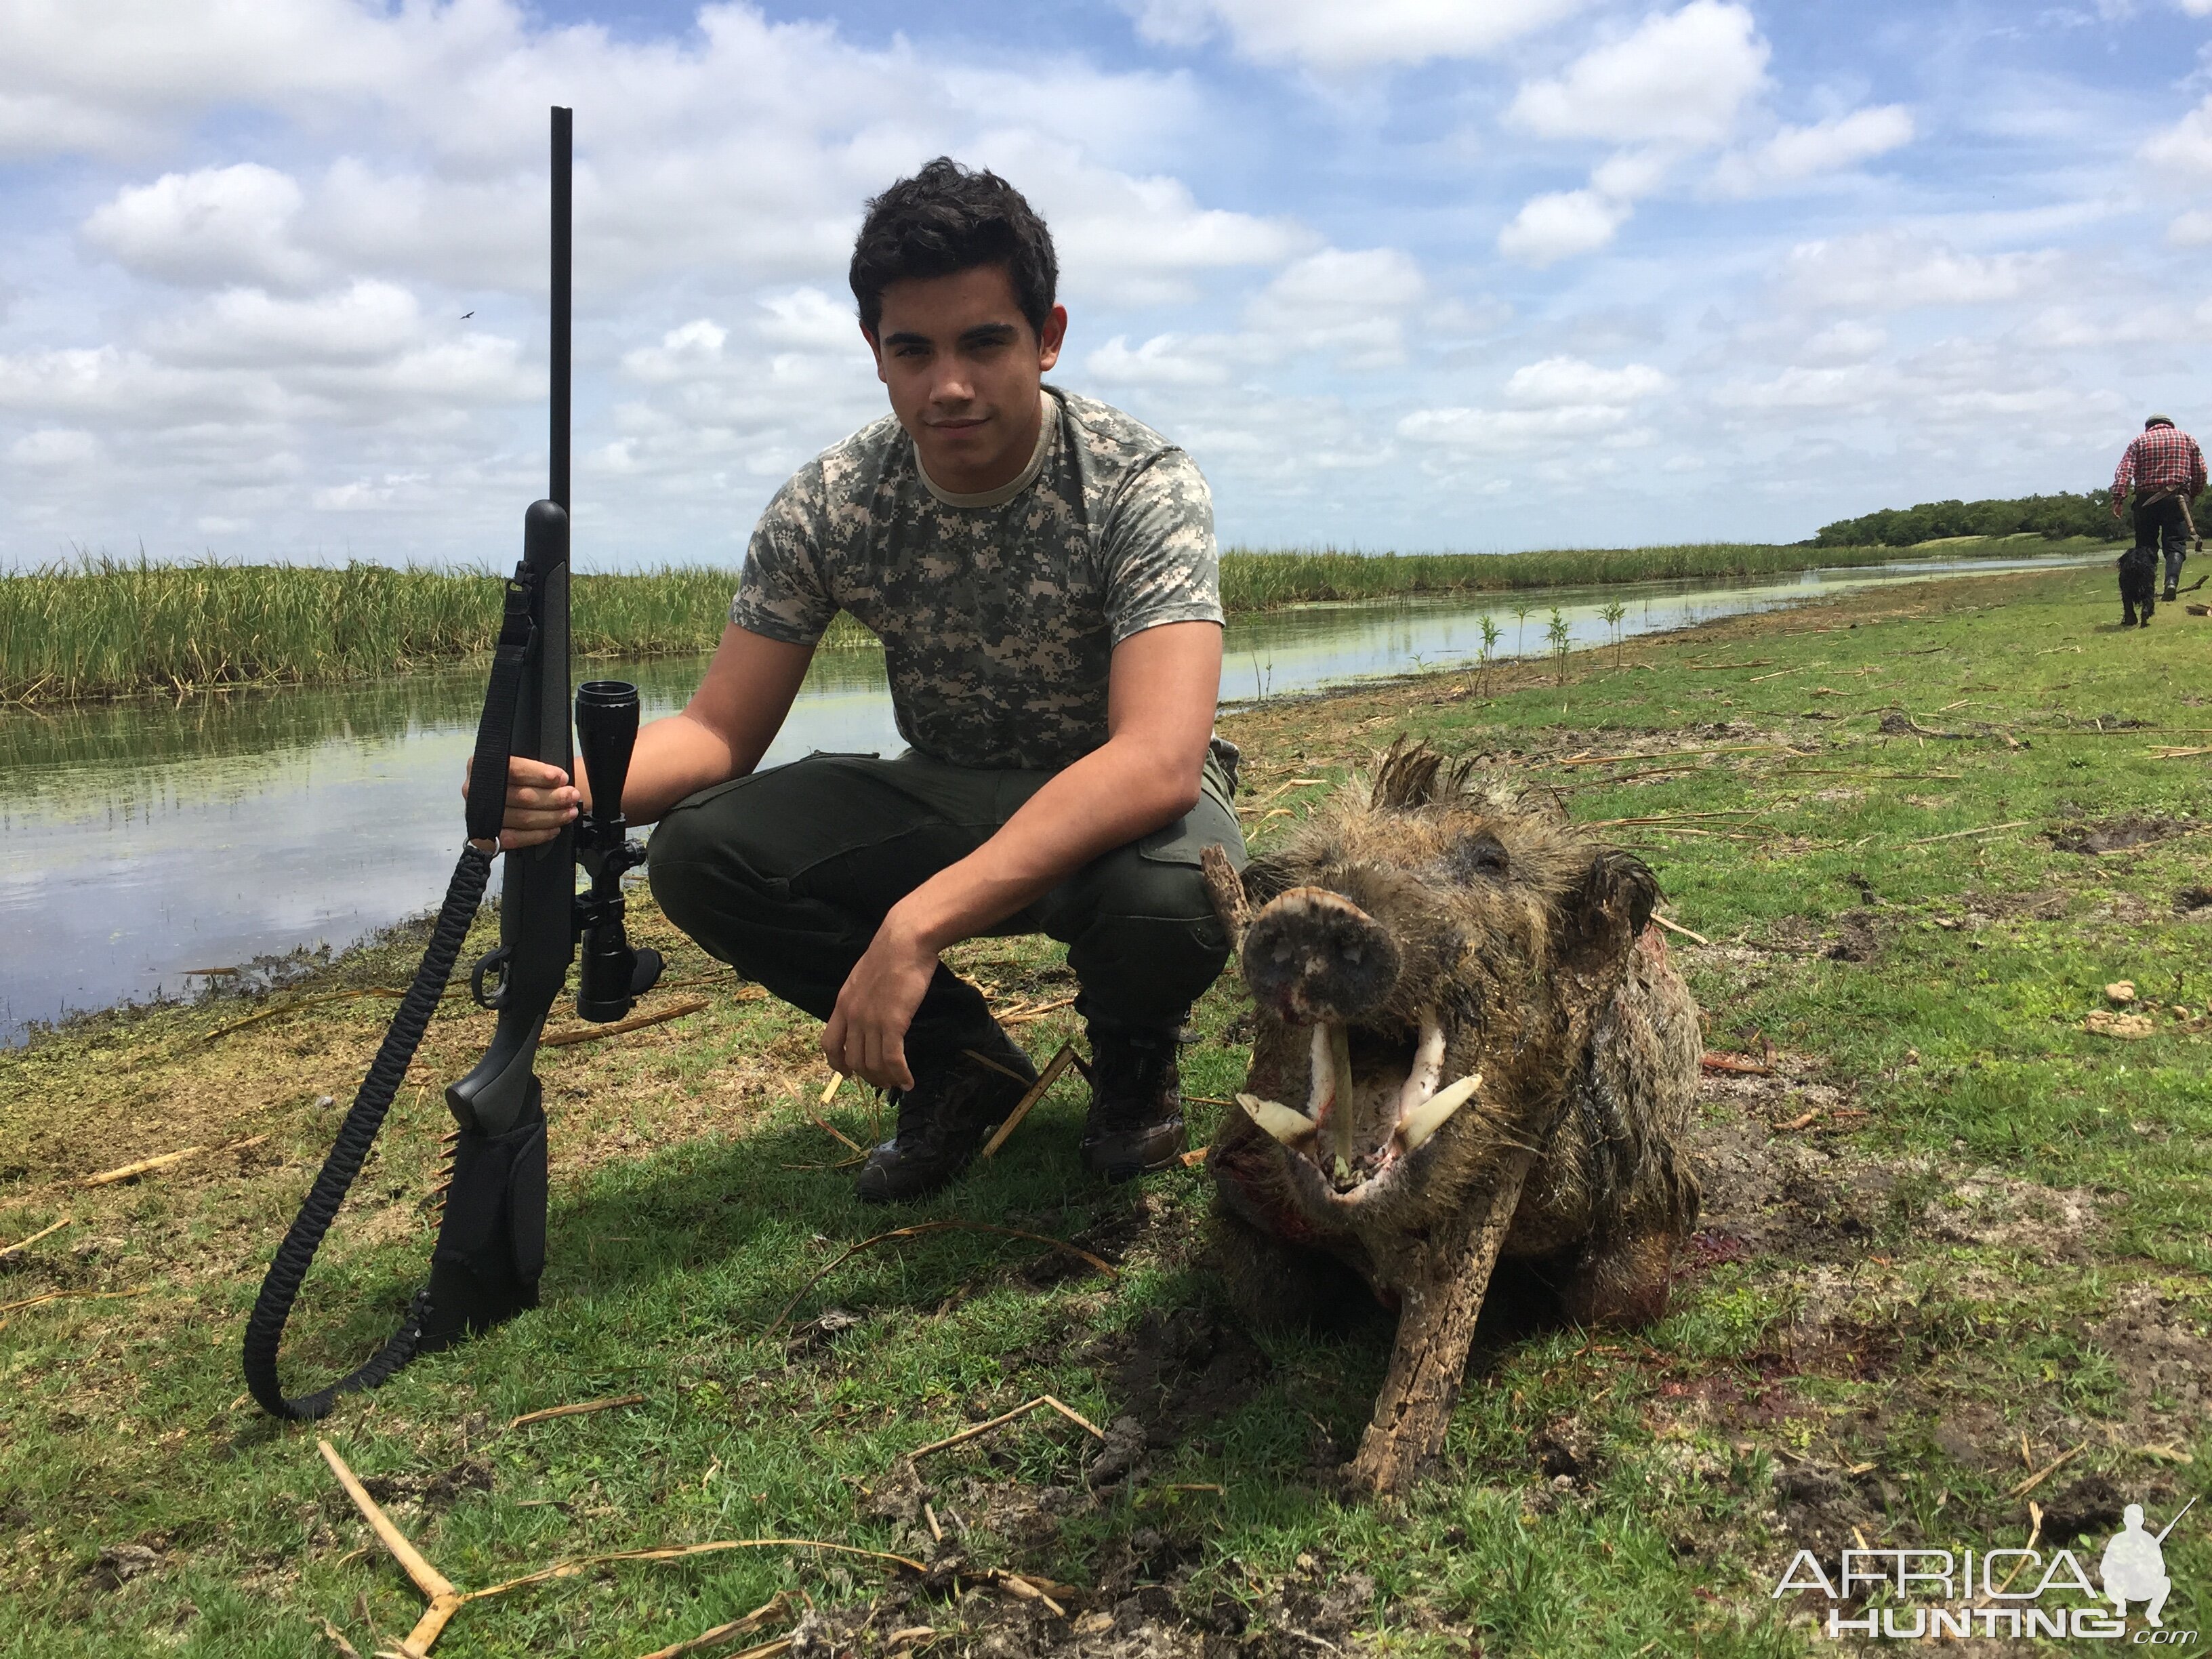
pixel 1040 569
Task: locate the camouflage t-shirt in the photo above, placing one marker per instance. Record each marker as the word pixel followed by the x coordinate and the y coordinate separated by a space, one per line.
pixel 999 613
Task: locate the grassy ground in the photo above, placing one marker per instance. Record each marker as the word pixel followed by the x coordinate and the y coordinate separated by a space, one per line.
pixel 1951 1238
pixel 111 628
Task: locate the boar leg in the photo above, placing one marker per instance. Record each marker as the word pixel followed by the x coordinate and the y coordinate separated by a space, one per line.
pixel 1415 1408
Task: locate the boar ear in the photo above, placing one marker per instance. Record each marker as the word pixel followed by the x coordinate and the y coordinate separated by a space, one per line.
pixel 1407 778
pixel 1602 914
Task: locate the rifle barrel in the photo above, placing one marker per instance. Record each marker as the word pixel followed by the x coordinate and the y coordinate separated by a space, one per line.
pixel 563 198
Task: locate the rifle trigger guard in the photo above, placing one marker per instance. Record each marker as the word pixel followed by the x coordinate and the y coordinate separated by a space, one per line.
pixel 490 960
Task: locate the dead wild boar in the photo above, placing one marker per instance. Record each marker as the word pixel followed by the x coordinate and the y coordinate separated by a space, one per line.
pixel 1468 1043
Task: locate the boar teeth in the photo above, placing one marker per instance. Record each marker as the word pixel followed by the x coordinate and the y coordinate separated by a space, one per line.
pixel 1277 1119
pixel 1426 1118
pixel 1427 1070
pixel 1321 1088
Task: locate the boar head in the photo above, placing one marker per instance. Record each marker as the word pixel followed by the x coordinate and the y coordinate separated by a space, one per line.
pixel 1425 969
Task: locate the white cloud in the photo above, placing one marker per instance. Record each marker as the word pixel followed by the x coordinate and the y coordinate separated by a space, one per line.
pixel 217 225
pixel 1509 431
pixel 1796 154
pixel 1680 76
pixel 1557 401
pixel 51 447
pixel 1564 382
pixel 2192 228
pixel 1329 35
pixel 1165 360
pixel 367 320
pixel 1898 269
pixel 2185 146
pixel 1560 225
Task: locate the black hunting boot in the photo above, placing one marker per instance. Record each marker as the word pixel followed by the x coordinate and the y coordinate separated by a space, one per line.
pixel 1135 1124
pixel 956 1100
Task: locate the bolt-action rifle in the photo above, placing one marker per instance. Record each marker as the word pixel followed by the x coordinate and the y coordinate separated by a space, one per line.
pixel 491 1239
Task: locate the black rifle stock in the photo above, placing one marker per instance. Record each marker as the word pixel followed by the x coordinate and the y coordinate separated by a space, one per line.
pixel 490 1248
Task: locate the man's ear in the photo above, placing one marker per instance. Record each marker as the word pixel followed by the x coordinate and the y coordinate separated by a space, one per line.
pixel 1051 339
pixel 875 350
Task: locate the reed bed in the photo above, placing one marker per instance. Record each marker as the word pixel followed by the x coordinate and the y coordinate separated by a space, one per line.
pixel 110 628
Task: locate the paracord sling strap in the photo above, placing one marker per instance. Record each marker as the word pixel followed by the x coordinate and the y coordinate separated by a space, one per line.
pixel 487 807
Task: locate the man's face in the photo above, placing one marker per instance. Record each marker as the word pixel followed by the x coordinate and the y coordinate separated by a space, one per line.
pixel 963 364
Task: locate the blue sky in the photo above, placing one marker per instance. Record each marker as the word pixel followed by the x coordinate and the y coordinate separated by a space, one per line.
pixel 1409 273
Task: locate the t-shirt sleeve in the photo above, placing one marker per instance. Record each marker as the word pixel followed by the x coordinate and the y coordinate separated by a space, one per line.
pixel 782 592
pixel 1160 561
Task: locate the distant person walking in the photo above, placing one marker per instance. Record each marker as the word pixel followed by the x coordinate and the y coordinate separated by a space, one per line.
pixel 2166 469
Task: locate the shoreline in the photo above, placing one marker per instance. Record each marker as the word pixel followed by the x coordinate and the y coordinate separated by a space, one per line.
pixel 310 968
pixel 115 633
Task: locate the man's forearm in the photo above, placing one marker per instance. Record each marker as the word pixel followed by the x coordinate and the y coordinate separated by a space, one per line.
pixel 675 757
pixel 1108 799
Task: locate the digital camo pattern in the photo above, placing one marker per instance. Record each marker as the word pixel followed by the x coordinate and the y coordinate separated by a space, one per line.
pixel 998 623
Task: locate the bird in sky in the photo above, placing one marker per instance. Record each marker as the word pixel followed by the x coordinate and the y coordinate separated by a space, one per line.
pixel 466 315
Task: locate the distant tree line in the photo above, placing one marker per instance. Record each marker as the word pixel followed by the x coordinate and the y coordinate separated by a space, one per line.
pixel 2057 517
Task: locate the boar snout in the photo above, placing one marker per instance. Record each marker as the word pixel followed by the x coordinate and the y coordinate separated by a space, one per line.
pixel 1313 955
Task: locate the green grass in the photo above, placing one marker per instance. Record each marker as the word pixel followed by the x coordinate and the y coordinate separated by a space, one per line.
pixel 110 628
pixel 1991 1240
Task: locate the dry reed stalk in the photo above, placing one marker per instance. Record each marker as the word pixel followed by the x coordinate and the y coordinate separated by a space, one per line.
pixel 165 1160
pixel 2046 1471
pixel 1005 1418
pixel 834 1132
pixel 1715 1063
pixel 582 1407
pixel 42 1233
pixel 1961 835
pixel 1677 927
pixel 70 1295
pixel 1059 1063
pixel 621 1027
pixel 1038 1013
pixel 445 1600
pixel 751 1621
pixel 922 1228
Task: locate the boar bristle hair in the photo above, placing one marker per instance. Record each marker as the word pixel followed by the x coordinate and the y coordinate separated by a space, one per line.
pixel 1412 775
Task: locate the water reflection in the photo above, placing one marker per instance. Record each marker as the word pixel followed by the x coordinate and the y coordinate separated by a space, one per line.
pixel 139 841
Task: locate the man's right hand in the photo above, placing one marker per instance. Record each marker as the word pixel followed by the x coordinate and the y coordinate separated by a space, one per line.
pixel 540 801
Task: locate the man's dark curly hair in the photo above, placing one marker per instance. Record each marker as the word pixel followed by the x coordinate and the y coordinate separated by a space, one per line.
pixel 947 219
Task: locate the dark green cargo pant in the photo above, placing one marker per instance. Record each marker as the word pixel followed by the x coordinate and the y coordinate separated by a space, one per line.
pixel 787 874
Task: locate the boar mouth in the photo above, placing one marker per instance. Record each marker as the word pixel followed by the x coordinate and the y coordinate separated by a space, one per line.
pixel 1373 1101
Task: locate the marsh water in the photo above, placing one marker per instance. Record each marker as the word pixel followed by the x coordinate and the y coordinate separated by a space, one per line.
pixel 139 841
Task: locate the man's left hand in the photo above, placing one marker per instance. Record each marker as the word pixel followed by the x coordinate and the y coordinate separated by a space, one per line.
pixel 865 1037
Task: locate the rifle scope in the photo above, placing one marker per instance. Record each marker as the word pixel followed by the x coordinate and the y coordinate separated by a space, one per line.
pixel 612 975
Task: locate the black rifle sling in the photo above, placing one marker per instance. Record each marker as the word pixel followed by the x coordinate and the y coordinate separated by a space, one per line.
pixel 264 1328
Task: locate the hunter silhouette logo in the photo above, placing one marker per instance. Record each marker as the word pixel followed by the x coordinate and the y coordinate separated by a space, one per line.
pixel 1936 1594
pixel 2134 1567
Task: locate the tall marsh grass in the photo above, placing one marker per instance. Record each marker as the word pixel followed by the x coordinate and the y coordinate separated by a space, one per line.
pixel 109 627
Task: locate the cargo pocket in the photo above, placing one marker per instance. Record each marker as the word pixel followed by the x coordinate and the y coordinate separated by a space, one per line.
pixel 1212 820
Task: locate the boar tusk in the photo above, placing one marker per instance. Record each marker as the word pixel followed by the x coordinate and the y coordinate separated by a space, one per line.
pixel 1340 1056
pixel 1426 1118
pixel 1319 1091
pixel 1277 1119
pixel 1428 1068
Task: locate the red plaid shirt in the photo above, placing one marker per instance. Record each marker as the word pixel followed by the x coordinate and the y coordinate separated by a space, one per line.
pixel 2163 458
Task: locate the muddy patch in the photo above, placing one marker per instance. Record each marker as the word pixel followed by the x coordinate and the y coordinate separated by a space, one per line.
pixel 2097 837
pixel 1854 938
